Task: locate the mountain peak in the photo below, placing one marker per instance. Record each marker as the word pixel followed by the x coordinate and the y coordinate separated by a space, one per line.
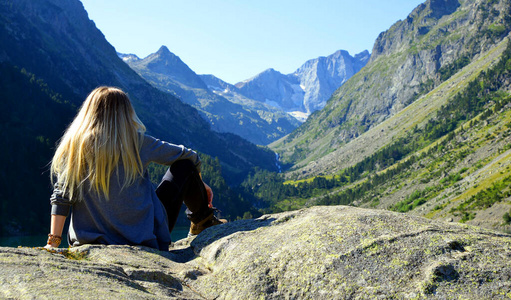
pixel 166 63
pixel 269 71
pixel 165 53
pixel 163 50
pixel 340 53
pixel 309 87
pixel 165 57
pixel 362 54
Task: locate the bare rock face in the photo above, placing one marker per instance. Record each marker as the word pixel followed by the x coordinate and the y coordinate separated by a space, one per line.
pixel 316 253
pixel 309 87
pixel 343 252
pixel 320 77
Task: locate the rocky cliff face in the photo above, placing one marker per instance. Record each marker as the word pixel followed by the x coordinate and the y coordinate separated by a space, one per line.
pixel 309 87
pixel 320 77
pixel 274 88
pixel 408 60
pixel 259 124
pixel 317 253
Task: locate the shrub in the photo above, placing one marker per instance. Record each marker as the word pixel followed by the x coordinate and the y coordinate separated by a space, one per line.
pixel 507 218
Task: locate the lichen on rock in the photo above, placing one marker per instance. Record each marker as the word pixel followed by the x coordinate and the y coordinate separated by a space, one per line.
pixel 333 252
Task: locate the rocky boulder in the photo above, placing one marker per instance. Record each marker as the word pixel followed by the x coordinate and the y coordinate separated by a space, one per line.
pixel 317 253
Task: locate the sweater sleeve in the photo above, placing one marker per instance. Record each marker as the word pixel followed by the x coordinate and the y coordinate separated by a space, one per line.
pixel 60 203
pixel 165 153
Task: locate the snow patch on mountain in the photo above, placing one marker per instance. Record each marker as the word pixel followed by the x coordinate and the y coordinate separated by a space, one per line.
pixel 308 88
pixel 127 58
pixel 299 115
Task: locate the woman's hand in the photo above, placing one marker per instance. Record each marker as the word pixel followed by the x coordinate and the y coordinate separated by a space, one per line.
pixel 209 191
pixel 53 241
pixel 210 195
pixel 56 227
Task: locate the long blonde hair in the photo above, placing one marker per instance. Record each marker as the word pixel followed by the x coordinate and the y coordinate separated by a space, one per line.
pixel 105 130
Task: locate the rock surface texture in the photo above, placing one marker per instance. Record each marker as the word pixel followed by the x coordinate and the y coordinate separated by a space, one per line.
pixel 335 252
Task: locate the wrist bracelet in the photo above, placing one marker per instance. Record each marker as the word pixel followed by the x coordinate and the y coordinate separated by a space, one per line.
pixel 54 239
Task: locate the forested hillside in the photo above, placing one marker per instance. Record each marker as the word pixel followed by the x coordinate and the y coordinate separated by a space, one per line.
pixel 28 134
pixel 453 166
pixel 423 128
pixel 408 61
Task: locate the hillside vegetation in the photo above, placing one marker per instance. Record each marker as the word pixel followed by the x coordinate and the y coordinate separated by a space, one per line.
pixel 451 161
pixel 408 60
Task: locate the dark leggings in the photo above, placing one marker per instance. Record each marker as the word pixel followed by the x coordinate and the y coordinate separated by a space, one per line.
pixel 182 183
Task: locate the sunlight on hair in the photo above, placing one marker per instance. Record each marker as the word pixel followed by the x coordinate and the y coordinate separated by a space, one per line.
pixel 105 130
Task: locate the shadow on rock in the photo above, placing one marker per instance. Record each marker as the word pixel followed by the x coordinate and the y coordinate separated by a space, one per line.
pixel 215 233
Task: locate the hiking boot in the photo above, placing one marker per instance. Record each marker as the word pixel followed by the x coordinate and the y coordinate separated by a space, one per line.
pixel 211 220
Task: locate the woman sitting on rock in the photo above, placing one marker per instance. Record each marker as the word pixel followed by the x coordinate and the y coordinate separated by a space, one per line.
pixel 100 175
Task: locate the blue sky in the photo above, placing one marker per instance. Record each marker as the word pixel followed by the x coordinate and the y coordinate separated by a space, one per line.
pixel 237 39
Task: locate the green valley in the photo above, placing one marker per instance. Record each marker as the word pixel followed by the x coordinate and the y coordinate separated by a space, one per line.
pixel 451 163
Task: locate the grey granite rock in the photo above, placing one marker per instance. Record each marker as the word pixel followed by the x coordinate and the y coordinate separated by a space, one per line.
pixel 317 253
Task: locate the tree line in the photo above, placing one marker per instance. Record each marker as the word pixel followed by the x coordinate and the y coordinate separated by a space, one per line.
pixel 482 97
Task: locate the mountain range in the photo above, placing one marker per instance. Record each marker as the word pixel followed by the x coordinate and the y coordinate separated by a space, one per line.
pixel 260 109
pixel 309 87
pixel 259 124
pixel 407 62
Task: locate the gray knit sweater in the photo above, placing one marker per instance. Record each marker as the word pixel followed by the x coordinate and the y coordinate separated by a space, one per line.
pixel 131 216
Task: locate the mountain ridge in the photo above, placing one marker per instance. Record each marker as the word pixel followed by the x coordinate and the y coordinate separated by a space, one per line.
pixel 167 72
pixel 231 108
pixel 308 87
pixel 435 144
pixel 173 63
